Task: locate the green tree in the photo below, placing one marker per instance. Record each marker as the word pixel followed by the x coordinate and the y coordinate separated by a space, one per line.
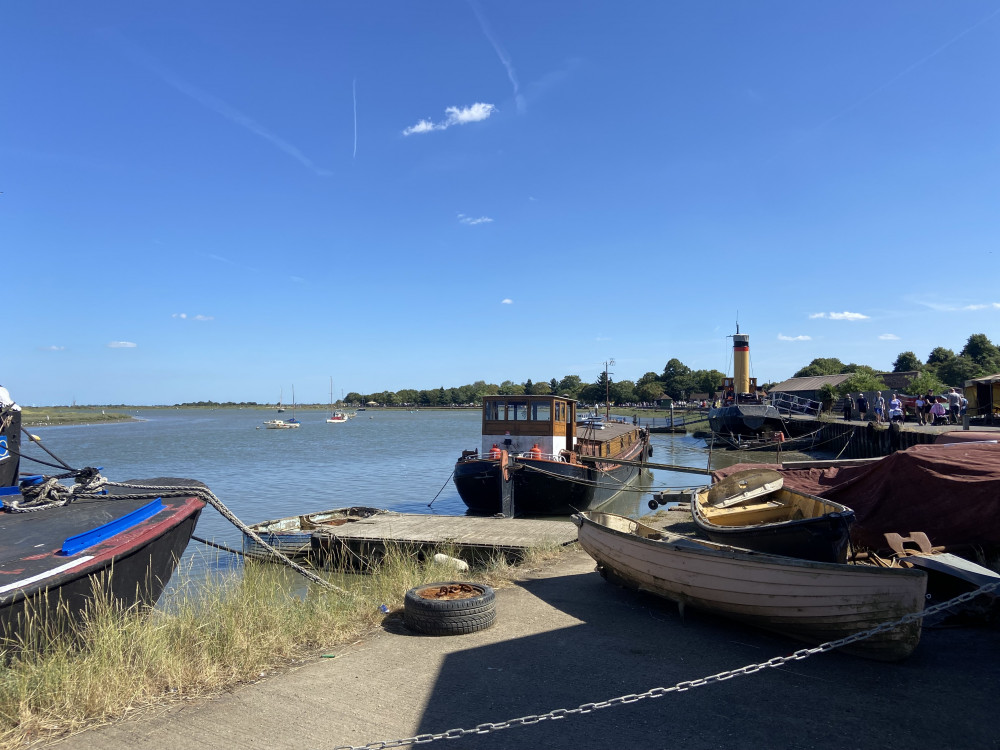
pixel 821 366
pixel 528 385
pixel 553 386
pixel 864 379
pixel 708 381
pixel 649 391
pixel 939 355
pixel 827 395
pixel 959 369
pixel 571 385
pixel 983 352
pixel 623 392
pixel 649 377
pixel 510 388
pixel 927 380
pixel 677 379
pixel 906 362
pixel 540 389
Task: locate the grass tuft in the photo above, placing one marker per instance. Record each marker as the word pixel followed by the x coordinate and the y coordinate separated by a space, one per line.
pixel 205 636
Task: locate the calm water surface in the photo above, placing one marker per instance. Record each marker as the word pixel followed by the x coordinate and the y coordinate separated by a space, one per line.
pixel 397 460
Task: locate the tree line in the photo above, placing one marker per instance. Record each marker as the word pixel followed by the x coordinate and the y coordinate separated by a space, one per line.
pixel 943 368
pixel 677 381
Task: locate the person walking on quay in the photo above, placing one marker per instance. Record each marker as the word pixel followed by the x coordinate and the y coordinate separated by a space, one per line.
pixel 848 403
pixel 862 406
pixel 879 407
pixel 918 407
pixel 928 403
pixel 954 403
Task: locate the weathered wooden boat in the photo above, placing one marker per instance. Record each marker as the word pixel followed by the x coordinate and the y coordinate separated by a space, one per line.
pixel 292 536
pixel 809 601
pixel 743 411
pixel 537 460
pixel 772 519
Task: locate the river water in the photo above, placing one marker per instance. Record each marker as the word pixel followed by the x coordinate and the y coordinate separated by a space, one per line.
pixel 397 460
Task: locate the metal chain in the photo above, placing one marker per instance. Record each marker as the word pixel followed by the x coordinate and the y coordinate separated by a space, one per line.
pixel 210 497
pixel 680 687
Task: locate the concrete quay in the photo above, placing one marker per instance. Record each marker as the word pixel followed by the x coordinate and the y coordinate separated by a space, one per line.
pixel 565 637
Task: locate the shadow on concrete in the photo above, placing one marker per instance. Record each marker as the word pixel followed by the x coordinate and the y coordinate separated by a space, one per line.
pixel 945 695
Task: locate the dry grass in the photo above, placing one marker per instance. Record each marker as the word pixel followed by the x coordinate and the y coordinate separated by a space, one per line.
pixel 205 637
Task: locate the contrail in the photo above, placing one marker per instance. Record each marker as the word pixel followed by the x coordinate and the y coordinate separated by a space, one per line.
pixel 218 106
pixel 354 92
pixel 907 70
pixel 502 54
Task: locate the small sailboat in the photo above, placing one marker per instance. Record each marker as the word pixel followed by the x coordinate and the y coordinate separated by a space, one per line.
pixel 281 397
pixel 336 417
pixel 293 420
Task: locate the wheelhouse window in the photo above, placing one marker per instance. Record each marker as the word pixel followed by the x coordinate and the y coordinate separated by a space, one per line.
pixel 540 411
pixel 495 411
pixel 517 410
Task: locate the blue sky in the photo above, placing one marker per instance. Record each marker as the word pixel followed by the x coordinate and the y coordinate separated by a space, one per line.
pixel 222 200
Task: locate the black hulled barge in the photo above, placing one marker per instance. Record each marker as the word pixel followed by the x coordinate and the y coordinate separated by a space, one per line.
pixel 537 460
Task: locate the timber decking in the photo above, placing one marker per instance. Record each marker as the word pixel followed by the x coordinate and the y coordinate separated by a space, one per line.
pixel 462 531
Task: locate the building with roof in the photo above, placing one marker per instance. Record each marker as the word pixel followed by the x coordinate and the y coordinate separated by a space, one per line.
pixel 808 387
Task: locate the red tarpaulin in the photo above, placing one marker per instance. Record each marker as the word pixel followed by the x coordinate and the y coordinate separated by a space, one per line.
pixel 950 492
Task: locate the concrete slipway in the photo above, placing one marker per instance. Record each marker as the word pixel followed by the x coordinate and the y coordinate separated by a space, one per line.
pixel 565 637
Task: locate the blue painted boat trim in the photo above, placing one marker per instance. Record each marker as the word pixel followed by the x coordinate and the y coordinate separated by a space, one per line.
pixel 79 542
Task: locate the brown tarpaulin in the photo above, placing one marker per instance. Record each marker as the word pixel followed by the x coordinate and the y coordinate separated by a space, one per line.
pixel 950 492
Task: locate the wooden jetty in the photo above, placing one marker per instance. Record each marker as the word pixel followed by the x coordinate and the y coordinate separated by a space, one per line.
pixel 466 536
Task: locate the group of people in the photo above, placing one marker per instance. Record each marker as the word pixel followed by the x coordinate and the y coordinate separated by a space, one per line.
pixel 929 408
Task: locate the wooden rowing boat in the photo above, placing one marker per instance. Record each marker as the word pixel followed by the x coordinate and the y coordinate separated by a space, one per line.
pixel 810 601
pixel 292 536
pixel 752 509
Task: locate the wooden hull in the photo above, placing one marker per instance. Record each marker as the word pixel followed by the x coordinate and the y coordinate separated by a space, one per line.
pixel 809 601
pixel 131 565
pixel 292 536
pixel 782 522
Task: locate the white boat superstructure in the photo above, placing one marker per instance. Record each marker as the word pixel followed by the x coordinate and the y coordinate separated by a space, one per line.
pixel 280 424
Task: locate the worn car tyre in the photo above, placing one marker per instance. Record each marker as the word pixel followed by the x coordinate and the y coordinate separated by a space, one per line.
pixel 449 608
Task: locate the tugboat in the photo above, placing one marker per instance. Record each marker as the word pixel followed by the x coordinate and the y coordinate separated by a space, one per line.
pixel 536 459
pixel 743 412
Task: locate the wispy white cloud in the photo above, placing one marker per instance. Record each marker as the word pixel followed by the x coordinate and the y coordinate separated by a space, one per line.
pixel 463 219
pixel 454 116
pixel 783 337
pixel 888 337
pixel 507 301
pixel 502 54
pixel 185 316
pixel 52 348
pixel 217 105
pixel 987 306
pixel 121 345
pixel 839 316
pixel 956 307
